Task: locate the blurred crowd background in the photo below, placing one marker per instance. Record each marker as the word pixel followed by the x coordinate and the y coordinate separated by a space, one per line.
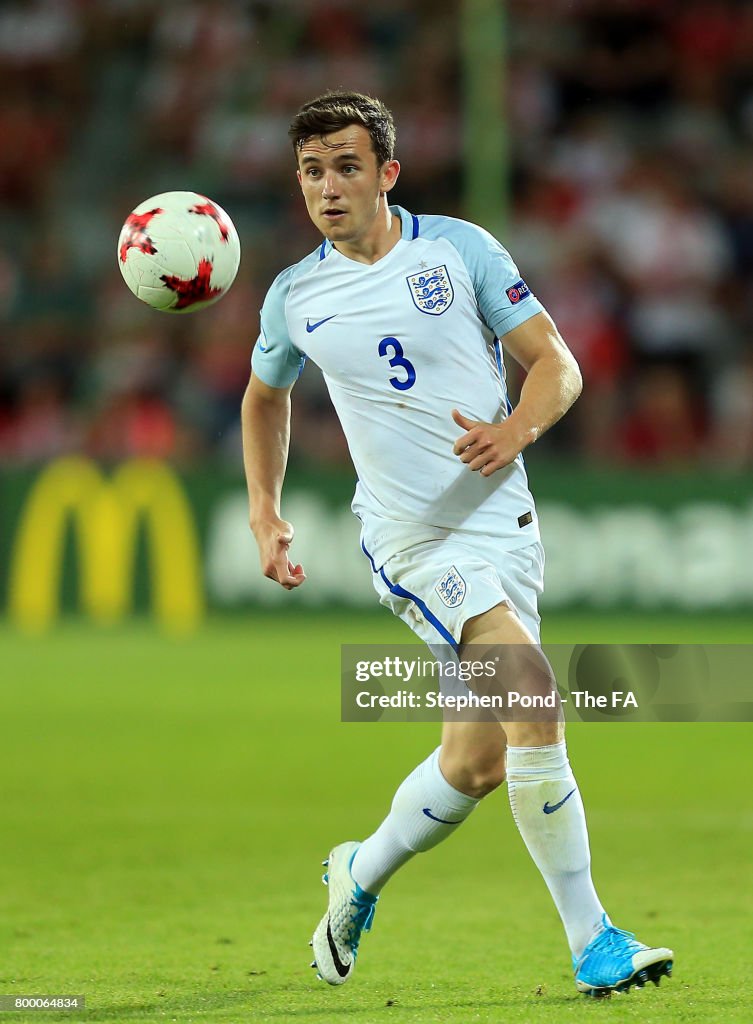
pixel 631 207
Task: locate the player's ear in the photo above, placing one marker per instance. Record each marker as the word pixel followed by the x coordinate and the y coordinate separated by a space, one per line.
pixel 388 174
pixel 300 180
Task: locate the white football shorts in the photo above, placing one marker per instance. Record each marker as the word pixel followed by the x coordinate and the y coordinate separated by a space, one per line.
pixel 437 585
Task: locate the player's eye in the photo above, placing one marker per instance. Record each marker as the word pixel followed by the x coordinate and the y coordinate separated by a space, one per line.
pixel 349 169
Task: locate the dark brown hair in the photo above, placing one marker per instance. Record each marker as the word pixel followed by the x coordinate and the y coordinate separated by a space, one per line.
pixel 333 111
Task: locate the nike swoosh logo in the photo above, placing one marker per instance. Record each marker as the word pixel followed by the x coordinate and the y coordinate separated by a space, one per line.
pixel 340 967
pixel 312 327
pixel 444 821
pixel 551 808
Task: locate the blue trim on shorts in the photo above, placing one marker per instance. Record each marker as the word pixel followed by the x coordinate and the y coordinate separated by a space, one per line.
pixel 399 591
pixel 373 566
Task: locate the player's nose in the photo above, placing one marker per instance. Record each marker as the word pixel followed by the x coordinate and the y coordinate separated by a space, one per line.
pixel 329 187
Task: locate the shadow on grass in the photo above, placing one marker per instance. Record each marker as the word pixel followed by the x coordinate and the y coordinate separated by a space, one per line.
pixel 286 1003
pixel 299 1005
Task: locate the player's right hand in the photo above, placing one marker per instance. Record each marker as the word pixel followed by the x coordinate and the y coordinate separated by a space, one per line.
pixel 274 538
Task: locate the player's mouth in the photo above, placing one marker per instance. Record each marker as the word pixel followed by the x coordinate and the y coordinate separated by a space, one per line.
pixel 333 214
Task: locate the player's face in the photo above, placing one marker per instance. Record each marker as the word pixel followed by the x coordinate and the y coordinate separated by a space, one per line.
pixel 343 186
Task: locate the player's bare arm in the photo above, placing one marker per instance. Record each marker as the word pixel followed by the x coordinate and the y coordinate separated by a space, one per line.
pixel 265 422
pixel 552 385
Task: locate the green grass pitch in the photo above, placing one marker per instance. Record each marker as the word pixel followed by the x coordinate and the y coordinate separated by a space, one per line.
pixel 165 805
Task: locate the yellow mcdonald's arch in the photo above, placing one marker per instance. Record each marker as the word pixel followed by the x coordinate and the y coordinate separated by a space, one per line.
pixel 106 515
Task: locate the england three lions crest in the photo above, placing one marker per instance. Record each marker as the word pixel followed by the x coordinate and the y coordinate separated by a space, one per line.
pixel 451 588
pixel 432 290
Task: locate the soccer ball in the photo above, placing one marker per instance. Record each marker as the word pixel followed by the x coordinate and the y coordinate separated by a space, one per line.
pixel 178 252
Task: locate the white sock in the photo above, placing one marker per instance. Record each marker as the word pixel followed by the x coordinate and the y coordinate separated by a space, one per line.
pixel 557 839
pixel 425 810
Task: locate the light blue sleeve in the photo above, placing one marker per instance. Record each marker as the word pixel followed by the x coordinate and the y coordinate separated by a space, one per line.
pixel 275 359
pixel 504 299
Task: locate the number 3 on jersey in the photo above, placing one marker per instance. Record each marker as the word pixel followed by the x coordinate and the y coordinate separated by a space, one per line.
pixel 387 345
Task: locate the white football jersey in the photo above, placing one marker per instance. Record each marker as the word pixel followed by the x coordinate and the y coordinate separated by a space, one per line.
pixel 401 342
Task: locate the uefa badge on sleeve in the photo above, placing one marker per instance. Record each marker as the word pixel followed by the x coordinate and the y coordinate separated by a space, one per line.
pixel 518 292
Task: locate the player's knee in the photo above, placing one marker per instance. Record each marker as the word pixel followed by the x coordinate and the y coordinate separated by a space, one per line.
pixel 477 778
pixel 485 779
pixel 490 780
pixel 534 734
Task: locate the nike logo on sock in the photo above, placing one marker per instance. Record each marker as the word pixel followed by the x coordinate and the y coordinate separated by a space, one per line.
pixel 551 808
pixel 341 968
pixel 443 821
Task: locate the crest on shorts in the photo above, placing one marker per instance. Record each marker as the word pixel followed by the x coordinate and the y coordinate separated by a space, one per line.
pixel 451 588
pixel 432 290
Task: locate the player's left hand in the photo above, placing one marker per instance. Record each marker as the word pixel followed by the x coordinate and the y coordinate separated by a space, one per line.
pixel 486 447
